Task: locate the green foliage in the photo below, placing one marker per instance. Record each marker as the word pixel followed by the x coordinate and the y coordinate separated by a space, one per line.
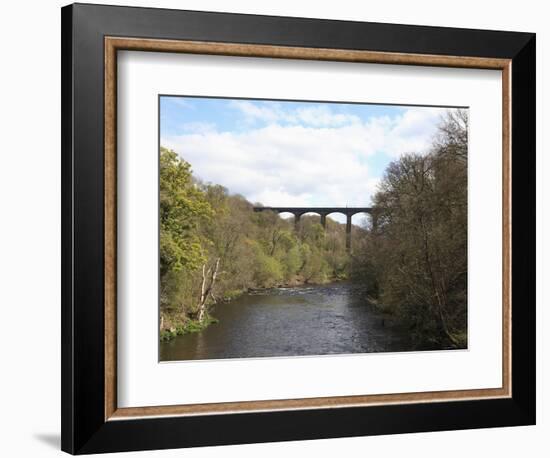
pixel 187 327
pixel 292 261
pixel 166 335
pixel 201 223
pixel 182 208
pixel 412 262
pixel 268 271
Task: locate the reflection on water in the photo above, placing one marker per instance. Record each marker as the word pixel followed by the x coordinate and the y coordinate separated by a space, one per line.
pixel 308 320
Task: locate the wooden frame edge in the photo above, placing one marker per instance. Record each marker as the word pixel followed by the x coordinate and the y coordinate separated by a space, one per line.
pixel 112 45
pixel 507 228
pixel 110 202
pixel 291 52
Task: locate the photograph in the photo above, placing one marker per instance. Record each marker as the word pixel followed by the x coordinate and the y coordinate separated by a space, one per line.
pixel 295 228
pixel 280 226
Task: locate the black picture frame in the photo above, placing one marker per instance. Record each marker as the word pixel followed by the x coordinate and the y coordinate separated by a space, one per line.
pixel 84 429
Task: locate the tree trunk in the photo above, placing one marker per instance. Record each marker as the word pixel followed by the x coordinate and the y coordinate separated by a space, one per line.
pixel 206 291
pixel 439 296
pixel 202 301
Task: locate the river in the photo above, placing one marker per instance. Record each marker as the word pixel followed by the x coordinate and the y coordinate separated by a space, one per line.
pixel 304 320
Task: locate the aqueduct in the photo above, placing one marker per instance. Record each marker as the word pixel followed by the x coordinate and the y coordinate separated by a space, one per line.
pixel 323 212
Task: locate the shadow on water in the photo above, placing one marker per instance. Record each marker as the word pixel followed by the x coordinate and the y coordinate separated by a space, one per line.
pixel 306 320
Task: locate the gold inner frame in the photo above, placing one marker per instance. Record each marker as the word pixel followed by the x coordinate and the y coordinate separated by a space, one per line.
pixel 114 44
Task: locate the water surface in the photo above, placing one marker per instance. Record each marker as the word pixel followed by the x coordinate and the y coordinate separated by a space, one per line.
pixel 306 320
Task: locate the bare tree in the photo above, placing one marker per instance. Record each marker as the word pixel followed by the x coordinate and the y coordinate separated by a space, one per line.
pixel 207 285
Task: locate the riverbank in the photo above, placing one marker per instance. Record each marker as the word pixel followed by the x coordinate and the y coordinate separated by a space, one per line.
pixel 294 321
pixel 186 327
pixel 179 326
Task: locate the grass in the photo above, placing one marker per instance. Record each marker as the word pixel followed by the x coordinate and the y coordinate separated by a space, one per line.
pixel 189 327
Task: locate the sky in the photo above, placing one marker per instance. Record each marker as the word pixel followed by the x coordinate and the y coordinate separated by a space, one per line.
pixel 299 154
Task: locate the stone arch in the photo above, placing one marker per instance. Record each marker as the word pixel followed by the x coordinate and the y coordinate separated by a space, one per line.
pixel 323 212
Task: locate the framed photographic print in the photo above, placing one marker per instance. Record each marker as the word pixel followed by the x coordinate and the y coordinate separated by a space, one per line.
pixel 282 228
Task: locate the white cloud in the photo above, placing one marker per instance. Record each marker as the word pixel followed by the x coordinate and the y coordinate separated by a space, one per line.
pixel 326 162
pixel 274 113
pixel 323 116
pixel 254 112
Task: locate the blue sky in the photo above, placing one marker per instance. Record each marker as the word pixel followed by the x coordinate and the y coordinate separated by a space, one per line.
pixel 283 153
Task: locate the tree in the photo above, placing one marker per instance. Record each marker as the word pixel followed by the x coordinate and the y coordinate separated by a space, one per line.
pixel 417 256
pixel 182 207
pixel 213 247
